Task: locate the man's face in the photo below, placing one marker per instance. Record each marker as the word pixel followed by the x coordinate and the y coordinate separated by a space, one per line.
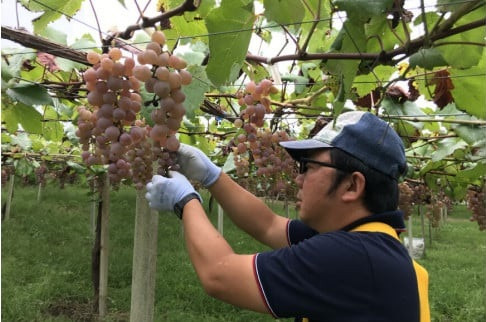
pixel 313 199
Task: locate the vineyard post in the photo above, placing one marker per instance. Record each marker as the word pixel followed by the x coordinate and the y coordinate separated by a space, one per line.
pixel 220 219
pixel 9 196
pixel 39 192
pixel 441 217
pixel 430 233
pixel 410 236
pixel 94 211
pixel 105 212
pixel 422 224
pixel 286 206
pixel 144 260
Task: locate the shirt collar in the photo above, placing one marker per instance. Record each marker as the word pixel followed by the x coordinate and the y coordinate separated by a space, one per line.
pixel 392 218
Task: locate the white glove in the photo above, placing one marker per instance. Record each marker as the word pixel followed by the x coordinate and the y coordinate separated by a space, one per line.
pixel 172 193
pixel 197 166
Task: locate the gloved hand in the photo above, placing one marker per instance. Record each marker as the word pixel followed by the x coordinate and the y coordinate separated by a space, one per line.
pixel 172 193
pixel 197 166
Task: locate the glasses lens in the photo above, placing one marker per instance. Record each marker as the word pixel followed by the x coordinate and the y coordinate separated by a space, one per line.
pixel 302 166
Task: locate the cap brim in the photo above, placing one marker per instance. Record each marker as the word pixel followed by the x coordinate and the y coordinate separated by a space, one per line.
pixel 297 149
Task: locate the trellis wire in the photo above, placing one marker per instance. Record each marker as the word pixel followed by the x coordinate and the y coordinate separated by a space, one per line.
pixel 208 34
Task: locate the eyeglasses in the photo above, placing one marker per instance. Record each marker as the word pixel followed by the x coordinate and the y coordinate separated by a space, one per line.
pixel 303 165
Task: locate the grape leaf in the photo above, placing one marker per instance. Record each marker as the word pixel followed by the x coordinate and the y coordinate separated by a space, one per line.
pixel 364 84
pixel 29 94
pixel 195 90
pixel 463 56
pixel 362 10
pixel 446 147
pixel 284 11
pixel 186 28
pixel 469 93
pixel 228 48
pixel 427 58
pixel 53 10
pixel 472 174
pixel 22 140
pixel 52 130
pixel 54 35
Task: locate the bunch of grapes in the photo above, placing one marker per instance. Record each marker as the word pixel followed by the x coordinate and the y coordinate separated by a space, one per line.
pixel 256 146
pixel 40 174
pixel 421 194
pixel 433 212
pixel 405 201
pixel 255 102
pixel 110 132
pixel 476 202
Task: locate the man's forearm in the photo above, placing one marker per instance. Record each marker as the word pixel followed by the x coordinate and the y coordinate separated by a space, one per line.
pixel 249 212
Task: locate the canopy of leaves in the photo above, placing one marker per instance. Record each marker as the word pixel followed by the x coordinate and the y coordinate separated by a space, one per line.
pixel 353 54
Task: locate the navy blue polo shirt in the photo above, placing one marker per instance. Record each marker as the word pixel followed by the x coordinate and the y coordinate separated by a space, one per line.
pixel 341 275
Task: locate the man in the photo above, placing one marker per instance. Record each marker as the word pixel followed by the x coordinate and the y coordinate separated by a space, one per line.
pixel 342 261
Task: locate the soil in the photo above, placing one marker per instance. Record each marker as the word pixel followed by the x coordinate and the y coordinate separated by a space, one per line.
pixel 80 310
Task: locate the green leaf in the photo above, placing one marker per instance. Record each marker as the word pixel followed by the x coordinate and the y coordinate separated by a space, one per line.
pixel 6 138
pixel 189 28
pixel 38 143
pixel 362 10
pixel 15 57
pixel 53 10
pixel 228 50
pixel 284 11
pixel 470 134
pixel 446 147
pixel 76 166
pixel 255 71
pixel 22 140
pixel 29 94
pixel 345 70
pixel 364 84
pixel 122 2
pixel 300 82
pixel 22 114
pixel 472 174
pixel 54 35
pixel 460 55
pixel 469 91
pixel 195 90
pixel 68 65
pixel 427 58
pixel 85 43
pixel 380 36
pixel 229 165
pixel 52 130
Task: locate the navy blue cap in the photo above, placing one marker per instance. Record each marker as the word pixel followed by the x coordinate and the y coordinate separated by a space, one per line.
pixel 362 135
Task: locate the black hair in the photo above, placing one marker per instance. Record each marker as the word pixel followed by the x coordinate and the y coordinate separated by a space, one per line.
pixel 381 191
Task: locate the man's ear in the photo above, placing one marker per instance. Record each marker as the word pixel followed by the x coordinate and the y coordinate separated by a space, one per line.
pixel 353 187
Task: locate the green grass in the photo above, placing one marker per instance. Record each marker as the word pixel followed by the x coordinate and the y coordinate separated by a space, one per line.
pixel 46 263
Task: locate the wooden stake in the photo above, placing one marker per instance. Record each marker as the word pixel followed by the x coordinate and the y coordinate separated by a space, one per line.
pixel 39 192
pixel 105 195
pixel 220 219
pixel 410 236
pixel 144 260
pixel 9 196
pixel 422 224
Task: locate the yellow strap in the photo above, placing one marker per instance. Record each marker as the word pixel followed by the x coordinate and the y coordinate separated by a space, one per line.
pixel 420 272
